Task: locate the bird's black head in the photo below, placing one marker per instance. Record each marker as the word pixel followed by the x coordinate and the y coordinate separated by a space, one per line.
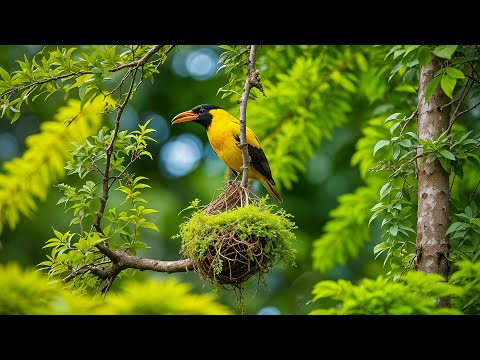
pixel 199 114
pixel 204 117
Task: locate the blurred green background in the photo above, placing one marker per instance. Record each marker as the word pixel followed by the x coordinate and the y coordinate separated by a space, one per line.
pixel 184 167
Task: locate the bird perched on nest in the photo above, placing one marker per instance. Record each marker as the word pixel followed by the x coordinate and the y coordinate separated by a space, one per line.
pixel 223 131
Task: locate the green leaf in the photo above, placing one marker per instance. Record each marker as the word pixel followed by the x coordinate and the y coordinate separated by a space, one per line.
pixel 379 145
pixel 475 221
pixel 455 73
pixel 424 55
pixel 391 117
pixel 385 190
pixel 445 51
pixel 447 154
pixel 445 164
pixel 432 85
pixel 226 47
pixel 379 247
pixel 393 49
pixel 5 75
pixel 409 74
pixel 410 48
pixel 394 230
pixel 148 225
pixel 448 84
pixel 394 126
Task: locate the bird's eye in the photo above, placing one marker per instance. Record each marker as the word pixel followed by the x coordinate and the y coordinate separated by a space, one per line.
pixel 201 111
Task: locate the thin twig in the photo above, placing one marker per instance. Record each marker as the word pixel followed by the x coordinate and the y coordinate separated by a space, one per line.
pixel 119 85
pixel 473 193
pixel 408 120
pixel 408 184
pixel 462 112
pixel 41 82
pixel 473 78
pixel 400 168
pixel 133 64
pixel 453 181
pixel 463 96
pixel 448 104
pixel 120 259
pixel 103 200
pixel 141 61
pixel 115 178
pixel 456 114
pixel 109 151
pixel 251 81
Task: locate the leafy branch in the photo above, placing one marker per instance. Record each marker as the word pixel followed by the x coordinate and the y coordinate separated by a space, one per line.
pixel 117 242
pixel 50 73
pixel 252 80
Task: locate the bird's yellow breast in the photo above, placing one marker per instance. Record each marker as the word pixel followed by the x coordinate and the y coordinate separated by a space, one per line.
pixel 223 133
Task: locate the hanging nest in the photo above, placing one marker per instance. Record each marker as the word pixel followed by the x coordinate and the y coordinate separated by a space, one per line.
pixel 237 236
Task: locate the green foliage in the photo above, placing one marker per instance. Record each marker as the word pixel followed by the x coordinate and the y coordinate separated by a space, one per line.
pixel 29 177
pixel 397 203
pixel 373 135
pixel 307 99
pixel 455 149
pixel 259 219
pixel 233 60
pixel 467 275
pixel 347 230
pixel 75 250
pixel 397 196
pixel 25 292
pixel 414 294
pixel 465 234
pixel 457 60
pixel 87 70
pixel 166 297
pixel 29 292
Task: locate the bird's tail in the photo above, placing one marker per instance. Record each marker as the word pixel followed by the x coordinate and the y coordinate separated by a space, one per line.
pixel 270 186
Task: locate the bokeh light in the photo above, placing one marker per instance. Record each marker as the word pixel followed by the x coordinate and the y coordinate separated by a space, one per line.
pixel 178 63
pixel 202 63
pixel 269 310
pixel 8 146
pixel 180 155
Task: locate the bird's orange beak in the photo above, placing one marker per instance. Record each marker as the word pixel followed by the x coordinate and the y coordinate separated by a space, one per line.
pixel 184 116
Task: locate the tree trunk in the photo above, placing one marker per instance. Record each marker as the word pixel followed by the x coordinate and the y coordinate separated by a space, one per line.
pixel 432 248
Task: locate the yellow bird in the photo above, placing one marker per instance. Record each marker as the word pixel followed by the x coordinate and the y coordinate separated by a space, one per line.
pixel 223 131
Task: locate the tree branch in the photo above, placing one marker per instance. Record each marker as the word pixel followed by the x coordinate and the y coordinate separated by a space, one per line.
pixel 463 112
pixel 133 64
pixel 120 259
pixel 473 78
pixel 251 81
pixel 105 187
pixel 432 248
pixel 408 120
pixel 143 60
pixel 124 261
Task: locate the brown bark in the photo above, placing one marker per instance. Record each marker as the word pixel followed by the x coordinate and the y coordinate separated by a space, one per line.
pixel 432 248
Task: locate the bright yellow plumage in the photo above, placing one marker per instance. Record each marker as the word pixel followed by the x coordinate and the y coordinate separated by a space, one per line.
pixel 223 131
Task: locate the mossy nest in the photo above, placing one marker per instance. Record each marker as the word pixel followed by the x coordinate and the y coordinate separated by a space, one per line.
pixel 235 237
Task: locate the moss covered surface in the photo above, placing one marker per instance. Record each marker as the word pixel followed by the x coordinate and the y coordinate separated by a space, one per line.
pixel 230 247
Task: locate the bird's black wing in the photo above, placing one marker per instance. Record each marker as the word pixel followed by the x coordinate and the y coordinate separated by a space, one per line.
pixel 258 160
